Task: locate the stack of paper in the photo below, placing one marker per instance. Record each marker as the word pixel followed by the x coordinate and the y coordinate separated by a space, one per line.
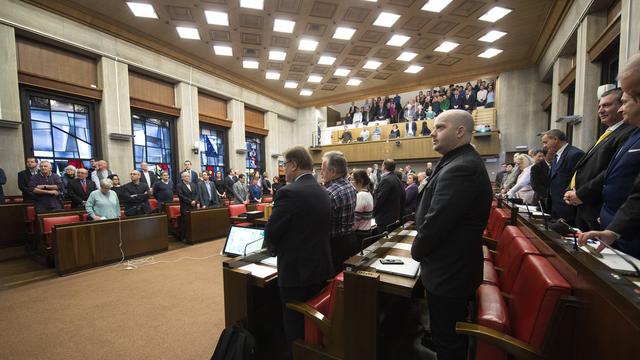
pixel 260 271
pixel 613 260
pixel 409 268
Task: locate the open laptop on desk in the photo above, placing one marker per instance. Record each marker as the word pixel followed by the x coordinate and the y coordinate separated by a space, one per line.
pixel 242 241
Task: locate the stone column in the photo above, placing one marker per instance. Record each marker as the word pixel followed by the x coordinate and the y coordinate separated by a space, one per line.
pixel 306 125
pixel 187 125
pixel 559 100
pixel 272 141
pixel 629 31
pixel 235 112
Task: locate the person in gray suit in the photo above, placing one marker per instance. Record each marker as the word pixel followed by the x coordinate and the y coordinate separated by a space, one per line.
pixel 207 192
pixel 240 192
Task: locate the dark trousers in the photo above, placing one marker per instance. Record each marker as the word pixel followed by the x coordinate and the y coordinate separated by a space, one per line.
pixel 342 248
pixel 444 312
pixel 293 321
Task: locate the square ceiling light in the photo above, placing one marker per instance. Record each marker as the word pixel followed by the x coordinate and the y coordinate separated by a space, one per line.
pixel 412 69
pixel 489 53
pixel 277 55
pixel 326 60
pixel 307 45
pixel 354 82
pixel 372 64
pixel 495 14
pixel 446 46
pixel 343 33
pixel 282 25
pixel 223 50
pixel 313 78
pixel 398 40
pixel 406 56
pixel 250 64
pixel 217 18
pixel 492 36
pixel 272 75
pixel 386 19
pixel 252 4
pixel 341 72
pixel 188 33
pixel 306 92
pixel 142 10
pixel 290 84
pixel 436 5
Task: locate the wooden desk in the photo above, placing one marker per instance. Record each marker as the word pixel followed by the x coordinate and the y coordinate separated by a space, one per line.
pixel 257 221
pixel 86 245
pixel 207 224
pixel 12 223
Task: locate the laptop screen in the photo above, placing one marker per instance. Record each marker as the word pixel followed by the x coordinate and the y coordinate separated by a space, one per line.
pixel 243 240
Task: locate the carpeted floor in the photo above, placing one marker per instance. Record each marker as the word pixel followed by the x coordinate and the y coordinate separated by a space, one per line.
pixel 162 311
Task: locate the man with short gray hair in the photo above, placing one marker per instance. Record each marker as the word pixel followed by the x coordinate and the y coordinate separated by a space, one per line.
pixel 135 195
pixel 46 187
pixel 102 172
pixel 80 188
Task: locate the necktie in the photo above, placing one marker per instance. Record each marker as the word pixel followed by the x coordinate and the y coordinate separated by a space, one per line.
pixel 602 137
pixel 554 164
pixel 84 186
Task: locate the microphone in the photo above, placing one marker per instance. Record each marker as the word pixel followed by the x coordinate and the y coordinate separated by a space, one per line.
pixel 371 239
pixel 572 232
pixel 622 255
pixel 544 217
pixel 249 243
pixel 392 226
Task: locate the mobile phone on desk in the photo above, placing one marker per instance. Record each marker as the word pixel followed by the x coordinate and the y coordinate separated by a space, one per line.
pixel 391 262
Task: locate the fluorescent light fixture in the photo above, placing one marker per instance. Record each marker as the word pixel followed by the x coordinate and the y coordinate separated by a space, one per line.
pixel 250 64
pixel 277 55
pixel 282 25
pixel 489 53
pixel 436 5
pixel 406 56
pixel 344 33
pixel 313 78
pixel 272 75
pixel 495 14
pixel 412 69
pixel 372 64
pixel 398 40
pixel 306 92
pixel 217 18
pixel 354 82
pixel 142 10
pixel 326 60
pixel 341 72
pixel 291 84
pixel 386 19
pixel 188 33
pixel 307 45
pixel 223 50
pixel 446 46
pixel 252 4
pixel 492 36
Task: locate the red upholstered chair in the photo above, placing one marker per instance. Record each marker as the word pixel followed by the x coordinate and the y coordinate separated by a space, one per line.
pixel 30 218
pixel 227 202
pixel 122 214
pixel 175 198
pixel 67 206
pixel 509 232
pixel 497 223
pixel 260 207
pixel 173 211
pixel 267 199
pixel 237 209
pixel 49 222
pixel 154 204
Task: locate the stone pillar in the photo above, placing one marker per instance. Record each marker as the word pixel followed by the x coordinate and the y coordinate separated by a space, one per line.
pixel 187 125
pixel 115 116
pixel 306 125
pixel 11 145
pixel 272 141
pixel 629 31
pixel 587 81
pixel 559 100
pixel 235 113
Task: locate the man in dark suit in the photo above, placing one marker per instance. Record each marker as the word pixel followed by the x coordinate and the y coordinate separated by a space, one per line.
pixel 24 177
pixel 388 199
pixel 228 184
pixel 298 233
pixel 188 195
pixel 564 161
pixel 469 100
pixel 147 176
pixel 540 175
pixel 193 174
pixel 79 188
pixel 207 192
pixel 456 100
pixel 450 219
pixel 586 186
pixel 135 195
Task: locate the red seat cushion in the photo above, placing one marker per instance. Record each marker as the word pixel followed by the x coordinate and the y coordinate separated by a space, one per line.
pixel 267 199
pixel 501 219
pixel 237 209
pixel 509 259
pixel 508 233
pixel 324 303
pixel 153 203
pixel 492 313
pixel 260 207
pixel 489 275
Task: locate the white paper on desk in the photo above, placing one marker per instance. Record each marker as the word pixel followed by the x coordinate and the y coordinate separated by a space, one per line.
pixel 409 268
pixel 260 271
pixel 637 283
pixel 404 233
pixel 539 213
pixel 402 246
pixel 613 260
pixel 273 261
pixel 526 208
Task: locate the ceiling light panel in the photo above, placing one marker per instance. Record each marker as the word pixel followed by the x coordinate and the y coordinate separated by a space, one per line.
pixel 412 69
pixel 272 75
pixel 188 33
pixel 341 72
pixel 314 78
pixel 492 36
pixel 285 26
pixel 223 50
pixel 252 4
pixel 406 56
pixel 436 5
pixel 142 10
pixel 217 18
pixel 386 19
pixel 446 46
pixel 489 53
pixel 398 40
pixel 250 64
pixel 277 55
pixel 372 64
pixel 306 92
pixel 326 60
pixel 354 82
pixel 307 45
pixel 495 14
pixel 344 33
pixel 290 84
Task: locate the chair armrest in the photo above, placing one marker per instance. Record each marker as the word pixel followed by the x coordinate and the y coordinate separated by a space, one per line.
pixel 519 349
pixel 492 244
pixel 312 314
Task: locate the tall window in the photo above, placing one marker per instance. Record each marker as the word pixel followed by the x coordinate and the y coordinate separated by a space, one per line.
pixel 61 131
pixel 152 143
pixel 255 154
pixel 212 152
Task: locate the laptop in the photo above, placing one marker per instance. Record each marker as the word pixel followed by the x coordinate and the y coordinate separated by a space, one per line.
pixel 242 241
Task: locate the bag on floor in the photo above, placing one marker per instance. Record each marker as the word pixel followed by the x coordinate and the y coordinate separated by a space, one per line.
pixel 235 343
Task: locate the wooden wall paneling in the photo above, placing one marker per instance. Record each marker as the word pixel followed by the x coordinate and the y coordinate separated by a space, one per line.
pixel 212 106
pixel 253 118
pixel 152 90
pixel 608 36
pixel 568 80
pixel 12 223
pixel 215 121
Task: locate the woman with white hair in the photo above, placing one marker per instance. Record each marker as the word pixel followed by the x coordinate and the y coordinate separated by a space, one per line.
pixel 103 204
pixel 522 189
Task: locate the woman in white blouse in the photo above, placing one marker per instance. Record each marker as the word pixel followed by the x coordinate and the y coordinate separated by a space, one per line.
pixel 364 204
pixel 522 189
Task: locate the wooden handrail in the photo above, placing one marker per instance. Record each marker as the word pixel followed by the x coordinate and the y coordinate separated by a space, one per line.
pixel 518 348
pixel 312 314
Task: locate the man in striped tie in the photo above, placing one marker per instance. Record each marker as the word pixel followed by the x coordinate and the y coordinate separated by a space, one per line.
pixel 585 189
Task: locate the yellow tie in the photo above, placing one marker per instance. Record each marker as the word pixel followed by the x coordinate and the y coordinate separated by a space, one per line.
pixel 602 137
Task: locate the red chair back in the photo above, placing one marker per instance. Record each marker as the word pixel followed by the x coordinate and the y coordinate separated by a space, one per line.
pixel 500 220
pixel 31 214
pixel 324 303
pixel 260 207
pixel 153 203
pixel 492 312
pixel 173 211
pixel 49 222
pixel 267 199
pixel 510 257
pixel 237 209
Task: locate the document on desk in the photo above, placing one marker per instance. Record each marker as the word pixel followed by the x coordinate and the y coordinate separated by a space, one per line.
pixel 539 214
pixel 272 261
pixel 408 233
pixel 614 261
pixel 526 208
pixel 409 268
pixel 394 245
pixel 260 271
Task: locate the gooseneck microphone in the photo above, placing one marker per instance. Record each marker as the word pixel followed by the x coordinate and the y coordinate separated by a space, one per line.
pixel 371 239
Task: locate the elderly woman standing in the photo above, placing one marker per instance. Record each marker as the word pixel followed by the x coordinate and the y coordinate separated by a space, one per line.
pixel 522 189
pixel 103 204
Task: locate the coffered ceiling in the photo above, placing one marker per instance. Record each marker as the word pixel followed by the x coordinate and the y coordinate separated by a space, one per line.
pixel 251 36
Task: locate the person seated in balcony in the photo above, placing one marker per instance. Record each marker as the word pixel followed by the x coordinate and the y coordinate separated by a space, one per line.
pixel 357 116
pixel 411 128
pixel 365 134
pixel 395 132
pixel 346 136
pixel 376 133
pixel 425 131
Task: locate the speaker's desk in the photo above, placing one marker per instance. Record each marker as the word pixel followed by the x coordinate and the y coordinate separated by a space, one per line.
pixel 207 224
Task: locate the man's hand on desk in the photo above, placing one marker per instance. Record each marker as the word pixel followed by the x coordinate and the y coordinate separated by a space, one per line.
pixel 606 236
pixel 571 198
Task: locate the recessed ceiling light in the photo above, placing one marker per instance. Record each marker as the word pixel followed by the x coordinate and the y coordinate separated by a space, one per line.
pixel 272 75
pixel 282 25
pixel 306 92
pixel 250 64
pixel 307 45
pixel 142 10
pixel 354 82
pixel 344 33
pixel 372 64
pixel 492 36
pixel 326 60
pixel 291 84
pixel 341 72
pixel 386 19
pixel 217 18
pixel 277 55
pixel 406 56
pixel 414 69
pixel 489 53
pixel 188 33
pixel 446 46
pixel 223 50
pixel 398 40
pixel 495 14
pixel 252 4
pixel 436 5
pixel 314 78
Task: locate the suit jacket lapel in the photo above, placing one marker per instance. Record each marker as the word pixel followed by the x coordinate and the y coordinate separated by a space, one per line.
pixel 632 140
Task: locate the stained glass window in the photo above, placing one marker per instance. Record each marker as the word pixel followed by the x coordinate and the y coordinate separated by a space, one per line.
pixel 152 143
pixel 255 154
pixel 61 132
pixel 212 149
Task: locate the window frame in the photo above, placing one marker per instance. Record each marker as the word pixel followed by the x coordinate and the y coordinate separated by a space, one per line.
pixel 172 134
pixel 225 144
pixel 262 152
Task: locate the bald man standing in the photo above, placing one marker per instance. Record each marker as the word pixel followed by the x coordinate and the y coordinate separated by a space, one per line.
pixel 450 218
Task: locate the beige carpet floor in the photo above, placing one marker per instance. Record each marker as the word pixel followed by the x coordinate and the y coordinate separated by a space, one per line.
pixel 161 311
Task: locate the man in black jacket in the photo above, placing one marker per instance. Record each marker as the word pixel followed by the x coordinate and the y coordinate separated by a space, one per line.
pixel 24 177
pixel 298 233
pixel 450 219
pixel 188 194
pixel 135 196
pixel 388 198
pixel 207 192
pixel 540 176
pixel 79 188
pixel 228 184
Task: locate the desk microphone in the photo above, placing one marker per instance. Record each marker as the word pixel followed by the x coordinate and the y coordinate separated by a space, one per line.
pixel 620 254
pixel 572 232
pixel 249 243
pixel 544 216
pixel 392 226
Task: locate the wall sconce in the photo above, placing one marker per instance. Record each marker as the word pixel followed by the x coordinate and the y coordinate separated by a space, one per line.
pixel 196 148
